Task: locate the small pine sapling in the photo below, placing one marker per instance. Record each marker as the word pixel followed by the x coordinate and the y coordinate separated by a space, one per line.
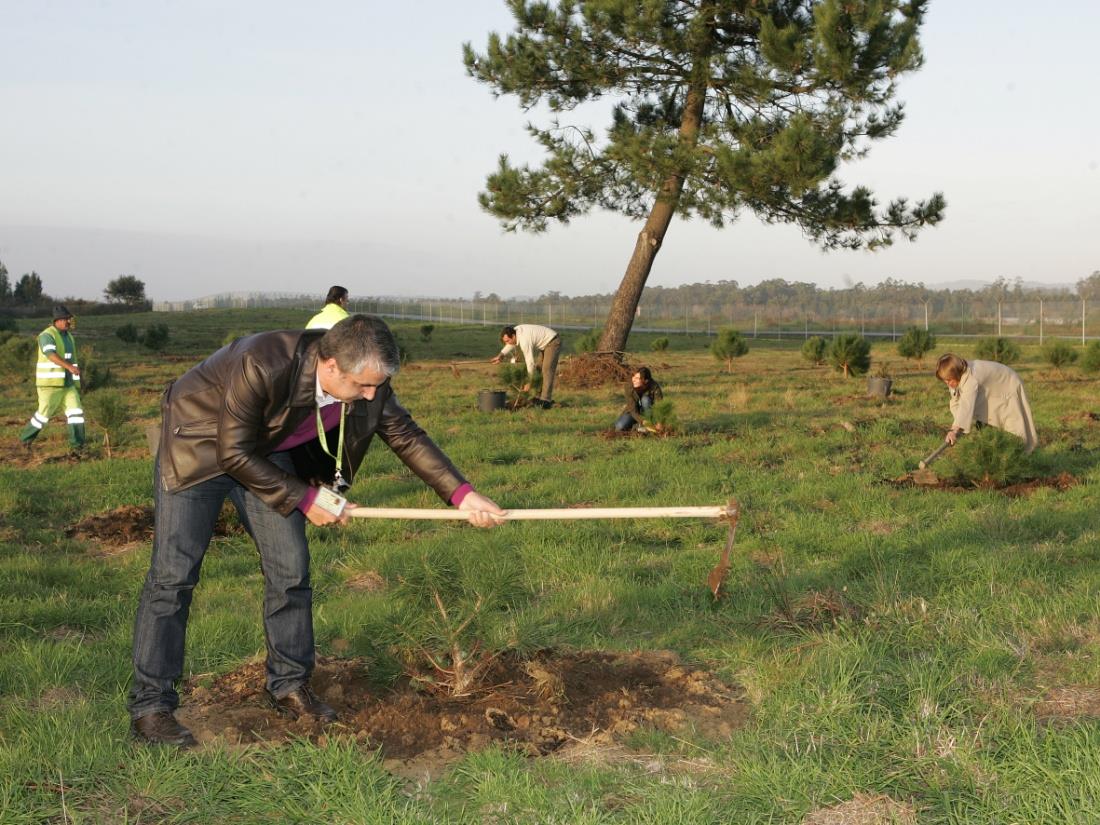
pixel 662 417
pixel 426 331
pixel 454 615
pixel 659 344
pixel 728 345
pixel 1001 350
pixel 1090 362
pixel 813 350
pixel 850 354
pixel 111 412
pixel 989 457
pixel 915 344
pixel 1059 354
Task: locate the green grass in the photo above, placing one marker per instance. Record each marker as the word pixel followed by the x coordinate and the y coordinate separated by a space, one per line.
pixel 964 608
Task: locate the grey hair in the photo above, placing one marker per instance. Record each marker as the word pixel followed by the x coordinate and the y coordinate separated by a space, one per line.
pixel 362 342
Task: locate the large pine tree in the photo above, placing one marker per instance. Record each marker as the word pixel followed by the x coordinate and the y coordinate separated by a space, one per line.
pixel 720 106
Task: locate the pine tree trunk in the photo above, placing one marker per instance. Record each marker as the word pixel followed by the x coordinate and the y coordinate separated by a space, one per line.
pixel 625 303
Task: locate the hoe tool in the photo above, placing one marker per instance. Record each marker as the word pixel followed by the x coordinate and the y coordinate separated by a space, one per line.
pixel 729 513
pixel 718 573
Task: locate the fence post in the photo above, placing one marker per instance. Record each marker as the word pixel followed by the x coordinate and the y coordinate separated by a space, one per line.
pixel 1040 322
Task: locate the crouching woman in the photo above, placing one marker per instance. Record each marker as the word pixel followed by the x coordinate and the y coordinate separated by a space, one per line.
pixel 986 393
pixel 641 394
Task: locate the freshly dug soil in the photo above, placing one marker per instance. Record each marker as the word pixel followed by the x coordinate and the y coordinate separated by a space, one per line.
pixel 537 705
pixel 1063 481
pixel 130 523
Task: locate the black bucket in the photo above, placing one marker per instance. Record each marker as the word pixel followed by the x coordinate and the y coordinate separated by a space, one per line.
pixel 490 400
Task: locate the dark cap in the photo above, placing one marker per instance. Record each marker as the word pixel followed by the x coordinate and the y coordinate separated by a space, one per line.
pixel 60 312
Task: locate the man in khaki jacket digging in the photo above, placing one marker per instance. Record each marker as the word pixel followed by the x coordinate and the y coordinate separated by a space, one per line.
pixel 989 393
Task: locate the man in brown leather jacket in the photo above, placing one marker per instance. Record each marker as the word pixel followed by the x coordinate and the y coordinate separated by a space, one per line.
pixel 247 424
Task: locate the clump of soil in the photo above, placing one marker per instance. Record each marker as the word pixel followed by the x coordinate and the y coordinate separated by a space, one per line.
pixel 863 809
pixel 1062 481
pixel 538 705
pixel 589 370
pixel 130 524
pixel 1087 416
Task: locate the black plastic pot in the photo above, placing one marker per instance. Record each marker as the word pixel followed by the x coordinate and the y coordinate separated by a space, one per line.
pixel 490 400
pixel 879 387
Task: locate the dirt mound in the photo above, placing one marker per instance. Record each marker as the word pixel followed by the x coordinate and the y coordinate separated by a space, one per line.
pixel 538 705
pixel 589 371
pixel 130 523
pixel 1062 481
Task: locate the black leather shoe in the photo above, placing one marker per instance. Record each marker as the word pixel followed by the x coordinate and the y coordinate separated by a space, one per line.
pixel 303 701
pixel 161 728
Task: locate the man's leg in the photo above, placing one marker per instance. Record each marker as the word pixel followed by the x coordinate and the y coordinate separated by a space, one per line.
pixel 49 401
pixel 74 416
pixel 550 368
pixel 184 523
pixel 288 596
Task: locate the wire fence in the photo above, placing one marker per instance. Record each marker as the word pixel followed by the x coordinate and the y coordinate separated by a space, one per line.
pixel 1029 320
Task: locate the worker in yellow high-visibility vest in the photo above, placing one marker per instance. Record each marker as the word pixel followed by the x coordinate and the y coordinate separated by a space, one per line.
pixel 57 376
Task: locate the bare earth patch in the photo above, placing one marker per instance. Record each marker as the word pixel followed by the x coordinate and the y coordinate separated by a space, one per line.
pixel 130 524
pixel 1069 702
pixel 928 480
pixel 542 705
pixel 864 810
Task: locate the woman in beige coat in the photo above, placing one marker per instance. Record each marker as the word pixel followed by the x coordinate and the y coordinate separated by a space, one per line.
pixel 986 392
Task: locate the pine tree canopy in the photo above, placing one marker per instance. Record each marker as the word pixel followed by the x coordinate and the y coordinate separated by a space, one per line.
pixel 719 106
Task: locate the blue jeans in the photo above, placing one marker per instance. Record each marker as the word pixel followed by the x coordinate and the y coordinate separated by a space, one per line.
pixel 626 420
pixel 184 525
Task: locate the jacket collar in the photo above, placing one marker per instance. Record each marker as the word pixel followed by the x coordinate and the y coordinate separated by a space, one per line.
pixel 304 382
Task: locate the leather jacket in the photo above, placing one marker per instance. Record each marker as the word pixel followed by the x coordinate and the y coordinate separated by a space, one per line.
pixel 227 414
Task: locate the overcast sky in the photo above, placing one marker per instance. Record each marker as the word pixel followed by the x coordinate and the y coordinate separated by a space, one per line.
pixel 221 146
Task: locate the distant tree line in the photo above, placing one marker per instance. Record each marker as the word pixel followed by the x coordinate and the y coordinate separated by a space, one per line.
pixel 27 296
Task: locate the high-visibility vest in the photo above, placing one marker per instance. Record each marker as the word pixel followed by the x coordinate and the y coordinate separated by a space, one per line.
pixel 49 374
pixel 328 317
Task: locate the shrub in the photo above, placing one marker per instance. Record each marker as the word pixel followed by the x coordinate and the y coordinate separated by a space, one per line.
pixel 850 354
pixel 989 457
pixel 659 344
pixel 155 337
pixel 998 349
pixel 110 411
pixel 7 324
pixel 426 331
pixel 94 377
pixel 17 356
pixel 728 345
pixel 127 333
pixel 1059 354
pixel 587 342
pixel 813 350
pixel 916 343
pixel 1090 363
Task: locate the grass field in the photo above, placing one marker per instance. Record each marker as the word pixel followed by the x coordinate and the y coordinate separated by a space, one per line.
pixel 904 654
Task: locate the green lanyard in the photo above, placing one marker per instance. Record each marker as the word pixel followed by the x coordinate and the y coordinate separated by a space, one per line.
pixel 337 479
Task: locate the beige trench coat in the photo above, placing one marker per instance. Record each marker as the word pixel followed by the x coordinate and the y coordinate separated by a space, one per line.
pixel 993 394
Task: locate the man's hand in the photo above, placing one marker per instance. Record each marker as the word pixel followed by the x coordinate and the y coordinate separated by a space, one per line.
pixel 951 437
pixel 323 518
pixel 483 511
pixel 526 387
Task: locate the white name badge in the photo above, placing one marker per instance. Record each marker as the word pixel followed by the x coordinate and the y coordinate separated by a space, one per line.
pixel 330 501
